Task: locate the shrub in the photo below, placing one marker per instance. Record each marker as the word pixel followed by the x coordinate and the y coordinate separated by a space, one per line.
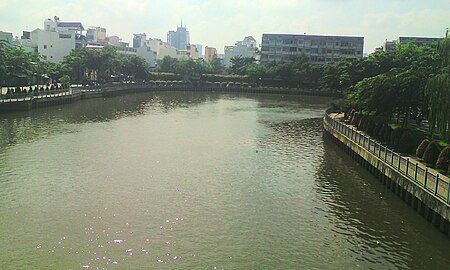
pixel 356 118
pixel 387 134
pixel 362 121
pixel 376 130
pixel 421 148
pixel 431 153
pixel 395 137
pixel 443 159
pixel 370 126
pixel 406 144
pixel 383 131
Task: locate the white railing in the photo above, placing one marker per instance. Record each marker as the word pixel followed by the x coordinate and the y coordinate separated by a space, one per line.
pixel 416 172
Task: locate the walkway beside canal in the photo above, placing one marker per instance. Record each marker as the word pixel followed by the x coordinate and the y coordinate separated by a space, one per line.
pixel 423 188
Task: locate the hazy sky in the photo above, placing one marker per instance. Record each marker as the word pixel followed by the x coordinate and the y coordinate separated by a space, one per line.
pixel 222 22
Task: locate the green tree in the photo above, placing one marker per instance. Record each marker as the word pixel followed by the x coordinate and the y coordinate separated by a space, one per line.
pixel 239 63
pixel 438 93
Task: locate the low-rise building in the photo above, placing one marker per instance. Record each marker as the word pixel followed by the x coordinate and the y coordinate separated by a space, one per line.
pixel 419 41
pixel 6 38
pixel 56 40
pixel 163 49
pixel 318 49
pixel 244 48
pixel 96 34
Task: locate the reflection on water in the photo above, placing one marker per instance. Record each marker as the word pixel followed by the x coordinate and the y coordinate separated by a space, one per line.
pixel 196 181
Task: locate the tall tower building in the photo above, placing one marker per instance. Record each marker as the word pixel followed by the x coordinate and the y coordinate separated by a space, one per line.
pixel 180 38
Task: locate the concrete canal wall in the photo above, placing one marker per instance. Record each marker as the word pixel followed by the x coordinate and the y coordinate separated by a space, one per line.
pixel 425 190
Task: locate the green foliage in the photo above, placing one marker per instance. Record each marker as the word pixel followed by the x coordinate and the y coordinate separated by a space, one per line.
pixel 370 126
pixel 443 159
pixel 65 80
pixel 17 67
pixel 422 147
pixel 362 121
pixel 431 153
pixel 407 143
pixel 382 131
pixel 389 84
pixel 239 64
pixel 88 64
pixel 438 93
pixel 387 134
pixel 395 137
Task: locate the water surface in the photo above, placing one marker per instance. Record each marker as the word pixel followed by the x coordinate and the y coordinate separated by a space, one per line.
pixel 185 180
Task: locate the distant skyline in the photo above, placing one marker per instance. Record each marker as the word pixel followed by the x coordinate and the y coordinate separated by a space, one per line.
pixel 220 23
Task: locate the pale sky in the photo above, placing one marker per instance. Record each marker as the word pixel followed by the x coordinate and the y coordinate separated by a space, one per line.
pixel 217 23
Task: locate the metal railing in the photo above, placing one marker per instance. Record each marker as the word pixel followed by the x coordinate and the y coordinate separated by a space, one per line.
pixel 28 95
pixel 416 172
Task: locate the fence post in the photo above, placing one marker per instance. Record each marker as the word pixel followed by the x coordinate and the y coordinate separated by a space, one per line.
pixel 448 193
pixel 379 150
pixel 415 171
pixel 399 162
pixel 426 177
pixel 437 184
pixel 407 166
pixel 385 153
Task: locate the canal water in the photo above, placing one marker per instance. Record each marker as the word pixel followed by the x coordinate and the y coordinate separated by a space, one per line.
pixel 176 180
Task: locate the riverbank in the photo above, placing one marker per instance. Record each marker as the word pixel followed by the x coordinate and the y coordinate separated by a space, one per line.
pixel 424 189
pixel 23 102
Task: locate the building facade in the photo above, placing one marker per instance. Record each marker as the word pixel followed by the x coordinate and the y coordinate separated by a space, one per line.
pixel 244 48
pixel 180 38
pixel 55 41
pixel 318 49
pixel 163 49
pixel 419 41
pixel 199 48
pixel 6 38
pixel 139 40
pixel 96 34
pixel 210 54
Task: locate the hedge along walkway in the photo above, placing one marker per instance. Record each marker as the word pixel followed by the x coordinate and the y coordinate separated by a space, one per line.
pixel 416 171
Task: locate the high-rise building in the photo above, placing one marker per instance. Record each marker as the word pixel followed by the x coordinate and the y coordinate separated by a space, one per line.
pixel 139 40
pixel 244 48
pixel 210 54
pixel 318 49
pixel 180 38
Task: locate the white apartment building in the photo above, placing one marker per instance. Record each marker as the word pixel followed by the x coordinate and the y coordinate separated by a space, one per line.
pixel 56 40
pixel 244 48
pixel 318 49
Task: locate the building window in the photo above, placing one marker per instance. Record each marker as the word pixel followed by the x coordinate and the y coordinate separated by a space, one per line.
pixel 45 47
pixel 51 56
pixel 51 46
